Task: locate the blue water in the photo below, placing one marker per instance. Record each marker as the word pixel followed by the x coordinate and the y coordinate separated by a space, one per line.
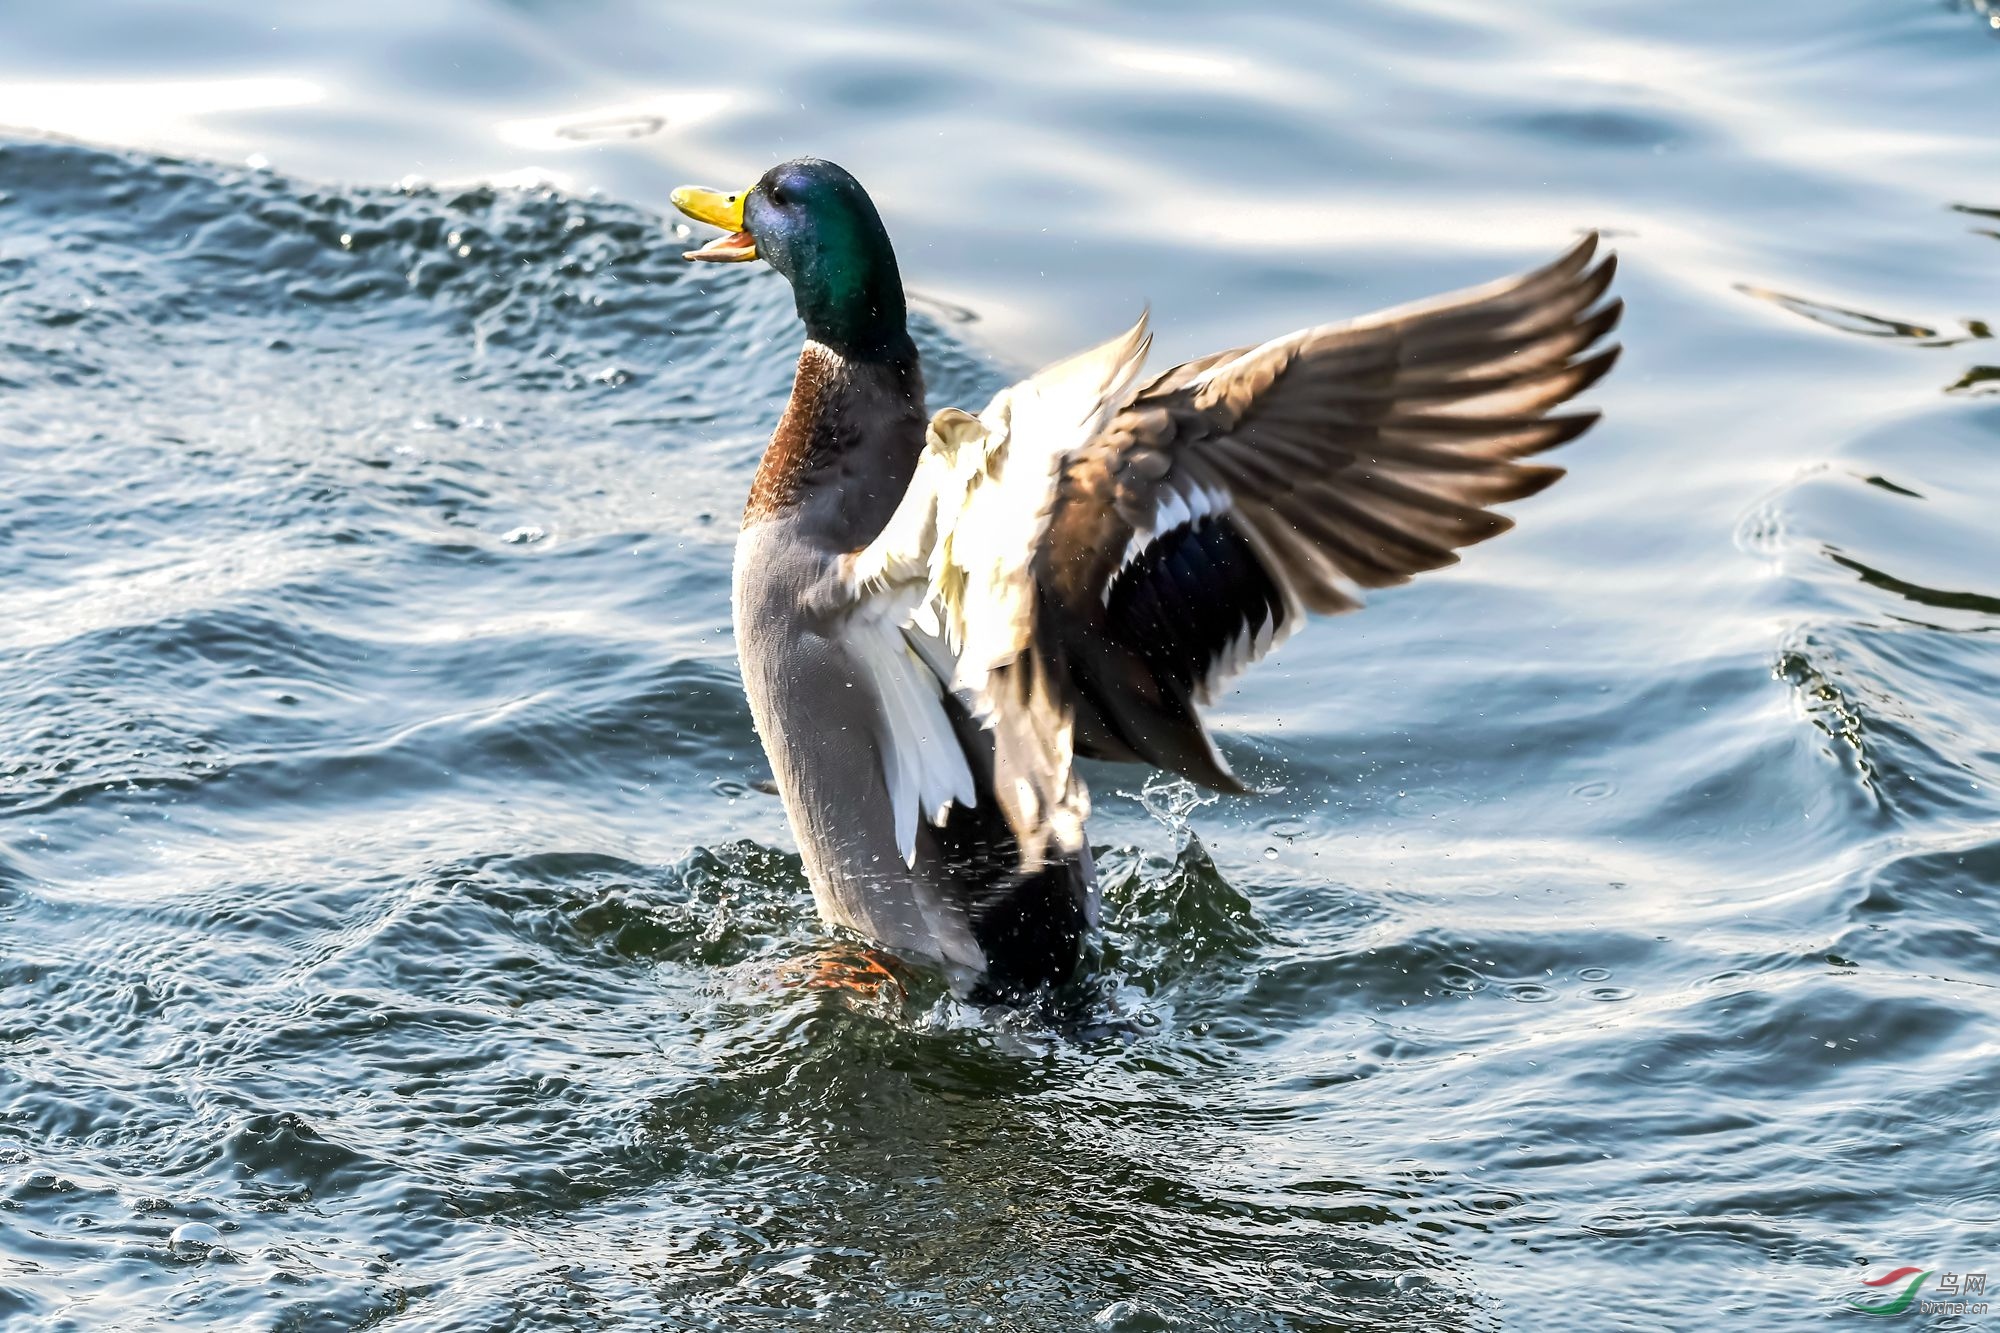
pixel 393 933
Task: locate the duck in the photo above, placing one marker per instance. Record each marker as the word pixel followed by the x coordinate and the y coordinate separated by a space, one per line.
pixel 937 614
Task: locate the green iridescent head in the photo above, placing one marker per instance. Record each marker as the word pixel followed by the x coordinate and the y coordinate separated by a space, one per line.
pixel 812 221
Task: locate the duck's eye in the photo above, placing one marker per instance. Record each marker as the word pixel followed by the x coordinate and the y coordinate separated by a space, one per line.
pixel 776 196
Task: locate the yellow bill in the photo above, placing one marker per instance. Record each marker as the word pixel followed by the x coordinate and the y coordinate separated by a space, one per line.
pixel 717 210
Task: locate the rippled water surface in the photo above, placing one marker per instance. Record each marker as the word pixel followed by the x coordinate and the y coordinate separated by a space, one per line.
pixel 393 933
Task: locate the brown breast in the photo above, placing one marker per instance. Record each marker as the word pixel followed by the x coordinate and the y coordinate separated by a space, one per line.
pixel 790 454
pixel 855 424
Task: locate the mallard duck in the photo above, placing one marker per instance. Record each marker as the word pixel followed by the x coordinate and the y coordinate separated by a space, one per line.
pixel 936 615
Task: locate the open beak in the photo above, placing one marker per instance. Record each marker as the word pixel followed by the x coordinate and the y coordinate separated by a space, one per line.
pixel 717 210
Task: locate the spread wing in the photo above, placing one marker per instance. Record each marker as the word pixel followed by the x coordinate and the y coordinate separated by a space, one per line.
pixel 1098 562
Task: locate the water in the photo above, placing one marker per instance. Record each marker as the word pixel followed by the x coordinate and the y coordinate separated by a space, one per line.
pixel 394 932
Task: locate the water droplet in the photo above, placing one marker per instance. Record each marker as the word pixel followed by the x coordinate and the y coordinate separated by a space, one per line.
pixel 1270 853
pixel 1594 974
pixel 194 1240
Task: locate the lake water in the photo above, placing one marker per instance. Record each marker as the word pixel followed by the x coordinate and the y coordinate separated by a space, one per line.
pixel 393 935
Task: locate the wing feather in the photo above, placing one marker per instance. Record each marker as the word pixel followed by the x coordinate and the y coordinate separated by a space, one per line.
pixel 1344 457
pixel 924 767
pixel 962 540
pixel 1085 562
